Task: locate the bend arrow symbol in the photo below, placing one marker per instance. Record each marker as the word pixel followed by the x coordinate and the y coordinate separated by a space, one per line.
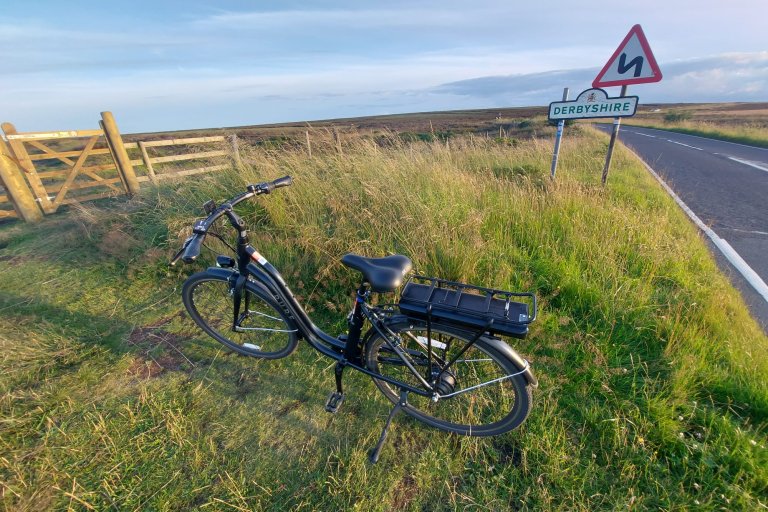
pixel 631 63
pixel 637 62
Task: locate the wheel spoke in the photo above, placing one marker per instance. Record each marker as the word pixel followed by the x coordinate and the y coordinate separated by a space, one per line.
pixel 482 393
pixel 252 312
pixel 262 331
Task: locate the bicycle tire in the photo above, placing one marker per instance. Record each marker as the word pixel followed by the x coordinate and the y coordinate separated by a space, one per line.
pixel 486 411
pixel 209 302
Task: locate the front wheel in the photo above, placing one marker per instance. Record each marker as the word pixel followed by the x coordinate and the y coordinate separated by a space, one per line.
pixel 261 330
pixel 484 393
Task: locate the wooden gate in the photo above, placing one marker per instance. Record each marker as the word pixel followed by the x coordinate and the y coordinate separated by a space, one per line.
pixel 66 167
pixel 41 171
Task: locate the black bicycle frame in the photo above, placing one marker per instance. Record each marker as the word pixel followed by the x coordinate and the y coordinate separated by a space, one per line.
pixel 318 339
pixel 251 262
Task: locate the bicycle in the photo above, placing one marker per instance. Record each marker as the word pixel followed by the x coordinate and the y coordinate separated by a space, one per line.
pixel 436 354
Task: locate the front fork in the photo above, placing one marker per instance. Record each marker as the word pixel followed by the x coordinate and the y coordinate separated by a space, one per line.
pixel 243 259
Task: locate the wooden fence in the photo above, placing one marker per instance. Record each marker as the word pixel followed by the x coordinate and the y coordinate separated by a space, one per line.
pixel 149 162
pixel 41 171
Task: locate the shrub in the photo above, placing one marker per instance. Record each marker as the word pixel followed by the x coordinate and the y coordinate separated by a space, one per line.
pixel 677 115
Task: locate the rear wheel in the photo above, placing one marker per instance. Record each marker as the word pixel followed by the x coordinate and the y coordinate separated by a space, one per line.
pixel 262 330
pixel 484 393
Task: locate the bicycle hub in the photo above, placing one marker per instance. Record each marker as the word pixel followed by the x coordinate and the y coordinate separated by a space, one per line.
pixel 446 384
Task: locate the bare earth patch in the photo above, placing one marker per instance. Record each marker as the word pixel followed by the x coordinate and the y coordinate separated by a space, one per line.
pixel 158 350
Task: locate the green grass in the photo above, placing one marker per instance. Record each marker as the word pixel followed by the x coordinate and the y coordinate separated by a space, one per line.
pixel 653 390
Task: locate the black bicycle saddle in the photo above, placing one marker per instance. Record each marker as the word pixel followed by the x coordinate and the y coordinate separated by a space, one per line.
pixel 383 274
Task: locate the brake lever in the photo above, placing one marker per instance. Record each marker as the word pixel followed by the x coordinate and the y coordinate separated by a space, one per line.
pixel 177 257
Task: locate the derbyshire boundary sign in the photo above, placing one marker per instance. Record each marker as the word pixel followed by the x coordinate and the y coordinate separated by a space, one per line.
pixel 631 63
pixel 593 103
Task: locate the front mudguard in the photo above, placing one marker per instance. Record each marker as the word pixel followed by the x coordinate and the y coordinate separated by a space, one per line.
pixel 257 286
pixel 232 274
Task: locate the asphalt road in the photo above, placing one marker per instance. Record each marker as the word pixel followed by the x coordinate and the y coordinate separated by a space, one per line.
pixel 725 185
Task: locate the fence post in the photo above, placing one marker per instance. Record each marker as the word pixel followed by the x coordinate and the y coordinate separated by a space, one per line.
pixel 338 141
pixel 123 162
pixel 309 143
pixel 147 162
pixel 236 150
pixel 114 158
pixel 12 178
pixel 19 152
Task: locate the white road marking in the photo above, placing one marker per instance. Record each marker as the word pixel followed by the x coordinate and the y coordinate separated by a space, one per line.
pixel 645 135
pixel 705 138
pixel 686 145
pixel 748 231
pixel 749 163
pixel 729 252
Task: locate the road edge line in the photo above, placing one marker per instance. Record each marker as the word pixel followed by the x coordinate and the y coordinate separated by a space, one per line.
pixel 725 248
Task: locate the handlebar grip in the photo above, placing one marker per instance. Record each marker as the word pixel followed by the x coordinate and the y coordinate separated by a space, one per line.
pixel 269 186
pixel 279 182
pixel 282 182
pixel 193 249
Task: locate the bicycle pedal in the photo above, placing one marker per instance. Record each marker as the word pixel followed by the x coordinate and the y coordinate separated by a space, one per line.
pixel 334 402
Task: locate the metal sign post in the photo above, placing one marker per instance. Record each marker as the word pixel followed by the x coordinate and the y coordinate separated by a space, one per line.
pixel 614 136
pixel 558 136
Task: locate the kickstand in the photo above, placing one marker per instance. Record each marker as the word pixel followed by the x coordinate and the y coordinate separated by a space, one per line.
pixel 402 402
pixel 337 397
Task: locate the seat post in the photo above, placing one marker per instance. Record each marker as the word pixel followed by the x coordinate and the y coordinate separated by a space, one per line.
pixel 355 321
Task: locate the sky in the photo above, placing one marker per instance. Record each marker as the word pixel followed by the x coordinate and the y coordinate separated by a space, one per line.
pixel 169 65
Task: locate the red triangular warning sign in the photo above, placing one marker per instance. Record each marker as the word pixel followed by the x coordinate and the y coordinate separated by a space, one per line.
pixel 631 63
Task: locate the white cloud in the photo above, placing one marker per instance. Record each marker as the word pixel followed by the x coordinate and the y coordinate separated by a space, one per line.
pixel 349 18
pixel 728 77
pixel 172 99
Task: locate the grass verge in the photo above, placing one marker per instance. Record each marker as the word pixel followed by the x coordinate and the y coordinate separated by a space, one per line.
pixel 653 376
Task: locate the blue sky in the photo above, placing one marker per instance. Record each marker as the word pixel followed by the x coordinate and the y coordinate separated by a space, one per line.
pixel 167 65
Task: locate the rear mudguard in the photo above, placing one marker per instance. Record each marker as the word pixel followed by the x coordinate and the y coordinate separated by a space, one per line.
pixel 495 343
pixel 508 351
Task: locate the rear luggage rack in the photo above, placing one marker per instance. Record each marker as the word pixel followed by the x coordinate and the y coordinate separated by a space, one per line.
pixel 492 310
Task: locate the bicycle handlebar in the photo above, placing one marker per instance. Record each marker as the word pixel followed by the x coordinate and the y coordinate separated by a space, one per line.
pixel 268 187
pixel 191 249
